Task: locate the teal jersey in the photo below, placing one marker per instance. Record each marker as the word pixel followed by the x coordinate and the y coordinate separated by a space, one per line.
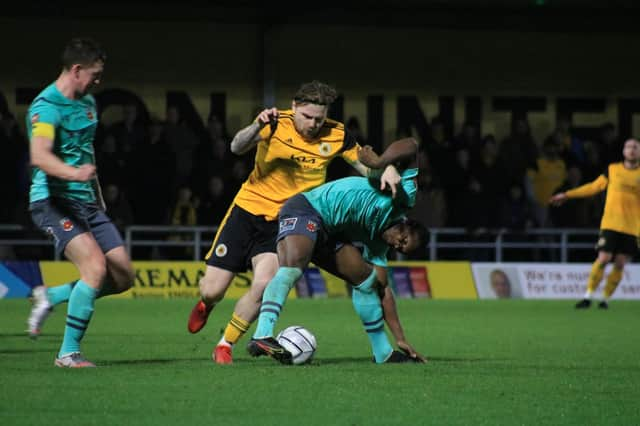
pixel 75 123
pixel 355 209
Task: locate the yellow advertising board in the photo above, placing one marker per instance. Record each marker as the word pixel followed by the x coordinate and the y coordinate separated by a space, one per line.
pixel 154 279
pixel 446 280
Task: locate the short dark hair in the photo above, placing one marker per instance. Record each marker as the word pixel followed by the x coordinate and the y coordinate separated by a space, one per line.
pixel 419 229
pixel 83 51
pixel 315 92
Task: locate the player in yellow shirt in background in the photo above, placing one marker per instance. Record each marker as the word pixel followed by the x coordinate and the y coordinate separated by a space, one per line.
pixel 620 226
pixel 294 149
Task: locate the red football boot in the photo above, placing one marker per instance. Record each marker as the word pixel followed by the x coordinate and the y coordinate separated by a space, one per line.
pixel 199 316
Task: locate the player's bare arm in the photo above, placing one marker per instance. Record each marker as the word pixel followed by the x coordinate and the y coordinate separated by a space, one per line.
pixel 401 153
pixel 391 317
pixel 42 156
pixel 246 139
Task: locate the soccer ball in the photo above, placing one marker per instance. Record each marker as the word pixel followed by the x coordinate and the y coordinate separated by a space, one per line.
pixel 299 341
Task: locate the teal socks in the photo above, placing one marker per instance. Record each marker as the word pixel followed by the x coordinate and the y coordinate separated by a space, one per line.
pixel 79 314
pixel 273 299
pixel 60 293
pixel 369 308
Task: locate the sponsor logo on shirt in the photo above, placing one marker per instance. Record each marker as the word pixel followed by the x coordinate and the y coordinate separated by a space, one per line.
pixel 35 118
pixel 288 224
pixel 303 159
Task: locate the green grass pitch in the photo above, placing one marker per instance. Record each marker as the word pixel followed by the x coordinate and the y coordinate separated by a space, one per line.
pixel 510 362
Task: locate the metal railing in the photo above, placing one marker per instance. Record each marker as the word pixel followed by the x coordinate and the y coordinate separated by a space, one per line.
pixel 558 242
pixel 183 236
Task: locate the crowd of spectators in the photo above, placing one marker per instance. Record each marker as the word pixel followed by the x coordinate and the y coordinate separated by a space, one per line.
pixel 477 182
pixel 164 173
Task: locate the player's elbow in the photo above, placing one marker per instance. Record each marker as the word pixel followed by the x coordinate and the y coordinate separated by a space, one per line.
pixel 37 158
pixel 237 147
pixel 413 145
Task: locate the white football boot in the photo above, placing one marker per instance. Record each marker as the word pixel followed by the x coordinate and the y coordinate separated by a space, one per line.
pixel 40 310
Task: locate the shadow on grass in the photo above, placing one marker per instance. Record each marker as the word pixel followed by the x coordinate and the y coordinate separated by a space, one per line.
pixel 23 334
pixel 150 361
pixel 464 359
pixel 342 360
pixel 24 351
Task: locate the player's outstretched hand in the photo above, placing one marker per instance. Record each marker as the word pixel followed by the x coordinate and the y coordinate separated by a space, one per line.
pixel 85 172
pixel 408 349
pixel 369 158
pixel 390 179
pixel 267 116
pixel 558 199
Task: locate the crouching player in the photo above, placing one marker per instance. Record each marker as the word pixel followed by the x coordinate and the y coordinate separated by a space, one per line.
pixel 318 226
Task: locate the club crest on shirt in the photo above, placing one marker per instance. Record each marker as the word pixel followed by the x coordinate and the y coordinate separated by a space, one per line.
pixel 312 226
pixel 221 250
pixel 288 224
pixel 35 118
pixel 325 149
pixel 90 114
pixel 66 224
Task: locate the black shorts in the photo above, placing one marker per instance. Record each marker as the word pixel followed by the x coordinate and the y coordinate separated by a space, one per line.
pixel 62 219
pixel 241 236
pixel 617 242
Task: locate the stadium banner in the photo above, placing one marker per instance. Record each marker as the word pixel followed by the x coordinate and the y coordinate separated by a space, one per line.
pixel 154 279
pixel 438 280
pixel 547 281
pixel 164 279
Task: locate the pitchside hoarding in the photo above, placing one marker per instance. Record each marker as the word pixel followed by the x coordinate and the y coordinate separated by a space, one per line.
pixel 546 281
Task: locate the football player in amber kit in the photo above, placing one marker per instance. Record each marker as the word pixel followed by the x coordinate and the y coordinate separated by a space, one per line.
pixel 620 225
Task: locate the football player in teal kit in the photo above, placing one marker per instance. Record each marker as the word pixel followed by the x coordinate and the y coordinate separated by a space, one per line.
pixel 65 198
pixel 319 225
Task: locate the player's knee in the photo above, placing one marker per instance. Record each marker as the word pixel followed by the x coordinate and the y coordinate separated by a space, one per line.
pixel 604 257
pixel 258 286
pixel 294 261
pixel 210 290
pixel 95 271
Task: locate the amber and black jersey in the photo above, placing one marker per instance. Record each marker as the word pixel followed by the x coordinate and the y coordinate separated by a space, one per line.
pixel 622 205
pixel 286 164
